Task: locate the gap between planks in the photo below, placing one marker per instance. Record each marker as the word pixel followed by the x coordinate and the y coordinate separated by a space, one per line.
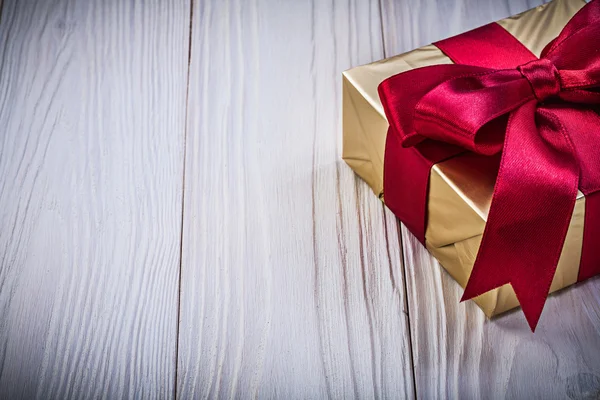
pixel 185 134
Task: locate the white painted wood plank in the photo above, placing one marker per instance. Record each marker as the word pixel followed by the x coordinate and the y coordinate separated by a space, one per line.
pixel 92 110
pixel 457 352
pixel 289 287
pixel 408 24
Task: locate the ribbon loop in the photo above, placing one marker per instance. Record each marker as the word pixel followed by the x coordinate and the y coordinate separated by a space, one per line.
pixel 543 77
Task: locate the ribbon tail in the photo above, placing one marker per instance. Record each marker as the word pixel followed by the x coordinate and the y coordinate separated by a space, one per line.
pixel 531 209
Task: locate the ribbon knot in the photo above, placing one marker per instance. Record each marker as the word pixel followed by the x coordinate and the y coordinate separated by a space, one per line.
pixel 543 77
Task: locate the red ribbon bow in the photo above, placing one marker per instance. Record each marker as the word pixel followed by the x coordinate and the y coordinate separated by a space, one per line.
pixel 542 116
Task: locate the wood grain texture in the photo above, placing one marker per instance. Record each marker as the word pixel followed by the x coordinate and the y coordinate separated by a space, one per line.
pixel 289 287
pixel 457 352
pixel 92 110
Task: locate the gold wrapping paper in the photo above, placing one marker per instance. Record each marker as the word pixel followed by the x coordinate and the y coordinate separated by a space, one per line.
pixel 459 194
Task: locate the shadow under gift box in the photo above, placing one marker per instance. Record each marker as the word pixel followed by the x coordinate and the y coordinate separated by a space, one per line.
pixel 461 188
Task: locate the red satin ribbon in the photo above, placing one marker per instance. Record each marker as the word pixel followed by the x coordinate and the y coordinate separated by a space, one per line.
pixel 541 114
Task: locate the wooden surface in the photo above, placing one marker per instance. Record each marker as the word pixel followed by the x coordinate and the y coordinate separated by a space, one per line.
pixel 288 289
pixel 176 220
pixel 92 117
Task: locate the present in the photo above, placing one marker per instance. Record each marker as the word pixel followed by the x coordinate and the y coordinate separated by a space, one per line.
pixel 484 146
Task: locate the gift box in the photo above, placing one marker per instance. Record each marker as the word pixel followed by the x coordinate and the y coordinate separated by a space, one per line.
pixel 460 186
